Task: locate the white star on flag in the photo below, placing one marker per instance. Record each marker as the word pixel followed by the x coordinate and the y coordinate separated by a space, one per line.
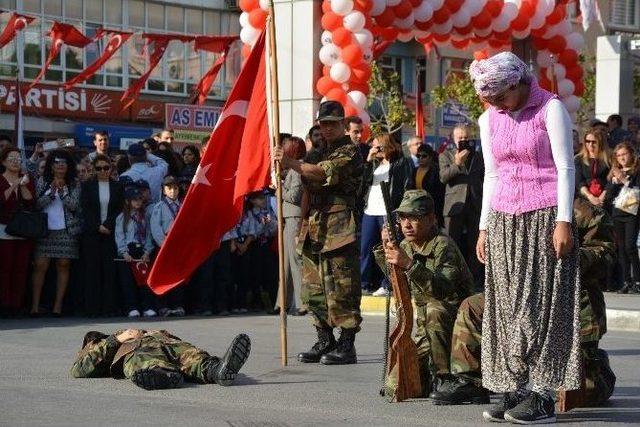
pixel 200 176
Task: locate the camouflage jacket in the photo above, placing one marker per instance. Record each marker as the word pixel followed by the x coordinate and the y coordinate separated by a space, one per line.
pixel 105 357
pixel 597 249
pixel 439 271
pixel 332 222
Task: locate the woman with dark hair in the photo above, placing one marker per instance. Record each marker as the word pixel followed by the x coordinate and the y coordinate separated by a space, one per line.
pixel 592 167
pixel 385 162
pixel 191 159
pixel 625 174
pixel 58 194
pixel 101 200
pixel 427 177
pixel 16 190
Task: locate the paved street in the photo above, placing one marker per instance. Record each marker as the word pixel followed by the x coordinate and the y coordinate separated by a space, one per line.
pixel 36 389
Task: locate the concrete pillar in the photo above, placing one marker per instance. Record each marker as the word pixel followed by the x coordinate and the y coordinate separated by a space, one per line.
pixel 614 77
pixel 298 33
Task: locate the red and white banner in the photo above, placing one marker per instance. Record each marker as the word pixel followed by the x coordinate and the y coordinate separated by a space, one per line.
pixel 16 23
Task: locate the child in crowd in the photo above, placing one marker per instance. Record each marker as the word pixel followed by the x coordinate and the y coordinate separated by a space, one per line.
pixel 245 234
pixel 163 214
pixel 133 242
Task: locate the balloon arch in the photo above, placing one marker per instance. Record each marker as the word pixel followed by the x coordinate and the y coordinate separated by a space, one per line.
pixel 353 28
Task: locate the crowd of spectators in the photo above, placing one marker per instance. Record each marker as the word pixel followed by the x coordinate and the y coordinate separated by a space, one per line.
pixel 107 208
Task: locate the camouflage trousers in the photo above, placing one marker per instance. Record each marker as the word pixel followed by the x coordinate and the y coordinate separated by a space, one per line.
pixel 466 339
pixel 434 325
pixel 182 357
pixel 331 286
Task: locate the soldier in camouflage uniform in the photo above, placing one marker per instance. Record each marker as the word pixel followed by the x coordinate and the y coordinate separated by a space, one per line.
pixel 328 240
pixel 439 278
pixel 156 359
pixel 597 252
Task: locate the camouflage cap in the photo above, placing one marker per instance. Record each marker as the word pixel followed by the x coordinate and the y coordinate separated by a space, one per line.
pixel 416 202
pixel 330 111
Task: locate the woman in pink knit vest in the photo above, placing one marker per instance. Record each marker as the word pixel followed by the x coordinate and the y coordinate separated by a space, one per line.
pixel 530 334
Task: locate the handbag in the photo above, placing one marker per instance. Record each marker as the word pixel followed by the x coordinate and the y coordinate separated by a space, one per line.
pixel 628 200
pixel 27 223
pixel 595 187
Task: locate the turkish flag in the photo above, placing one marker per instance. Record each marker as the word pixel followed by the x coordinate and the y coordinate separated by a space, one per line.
pixel 117 39
pixel 211 44
pixel 16 23
pixel 61 34
pixel 140 272
pixel 213 205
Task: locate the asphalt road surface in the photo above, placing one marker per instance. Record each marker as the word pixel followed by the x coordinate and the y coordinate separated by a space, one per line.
pixel 36 389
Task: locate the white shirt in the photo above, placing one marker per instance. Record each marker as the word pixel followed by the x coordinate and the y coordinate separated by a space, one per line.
pixel 558 124
pixel 375 201
pixel 55 213
pixel 103 197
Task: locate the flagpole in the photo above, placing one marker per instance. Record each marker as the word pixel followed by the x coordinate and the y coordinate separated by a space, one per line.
pixel 275 142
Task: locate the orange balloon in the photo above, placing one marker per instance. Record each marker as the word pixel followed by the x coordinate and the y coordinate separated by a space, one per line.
pixel 249 5
pixel 480 54
pixel 325 70
pixel 325 84
pixel 352 55
pixel 337 94
pixel 441 15
pixel 257 18
pixel 330 21
pixel 386 18
pixel 403 9
pixel 326 6
pixel 341 37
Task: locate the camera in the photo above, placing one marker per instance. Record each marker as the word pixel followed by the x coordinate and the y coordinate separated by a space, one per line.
pixel 465 144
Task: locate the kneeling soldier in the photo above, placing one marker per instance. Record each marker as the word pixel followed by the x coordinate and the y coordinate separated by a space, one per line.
pixel 439 278
pixel 157 359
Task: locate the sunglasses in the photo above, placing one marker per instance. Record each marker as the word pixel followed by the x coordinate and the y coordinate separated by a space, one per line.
pixel 102 168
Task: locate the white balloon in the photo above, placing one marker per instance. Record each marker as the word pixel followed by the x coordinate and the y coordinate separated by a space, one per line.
pixel 340 72
pixel 575 41
pixel 366 120
pixel 572 103
pixel 393 2
pixel 544 59
pixel 537 20
pixel 510 9
pixel 482 32
pixel 341 7
pixel 565 87
pixel 329 54
pixel 405 37
pixel 424 12
pixel 405 23
pixel 461 18
pixel 378 7
pixel 443 28
pixel 354 21
pixel 436 4
pixel 559 70
pixel 520 35
pixel 249 35
pixel 501 23
pixel 326 38
pixel 324 99
pixel 244 19
pixel 364 38
pixel 358 98
pixel 564 28
pixel 474 7
pixel 547 6
pixel 264 5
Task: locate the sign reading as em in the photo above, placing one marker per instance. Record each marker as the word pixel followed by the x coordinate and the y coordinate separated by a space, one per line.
pixel 191 117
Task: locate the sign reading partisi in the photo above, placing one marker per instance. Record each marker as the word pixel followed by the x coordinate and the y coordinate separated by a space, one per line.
pixel 191 123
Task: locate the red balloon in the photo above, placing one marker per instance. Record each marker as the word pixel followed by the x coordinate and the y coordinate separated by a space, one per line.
pixel 556 16
pixel 454 5
pixel 366 133
pixel 424 26
pixel 325 70
pixel 363 5
pixel 386 18
pixel 341 37
pixel 362 87
pixel 575 73
pixel 350 111
pixel 360 73
pixel 557 44
pixel 502 35
pixel 539 32
pixel 568 58
pixel 249 5
pixel 481 20
pixel 494 7
pixel 460 44
pixel 496 43
pixel 527 9
pixel 352 55
pixel 403 9
pixel 257 18
pixel 539 43
pixel 415 3
pixel 326 6
pixel 337 94
pixel 389 34
pixel 441 37
pixel 325 84
pixel 579 88
pixel 330 21
pixel 441 15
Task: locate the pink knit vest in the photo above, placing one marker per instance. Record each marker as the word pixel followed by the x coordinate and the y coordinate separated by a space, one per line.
pixel 527 175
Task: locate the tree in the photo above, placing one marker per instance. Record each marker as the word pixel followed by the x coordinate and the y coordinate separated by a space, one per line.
pixel 386 105
pixel 458 90
pixel 588 101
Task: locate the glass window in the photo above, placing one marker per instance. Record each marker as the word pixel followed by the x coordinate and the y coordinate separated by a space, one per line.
pixel 157 71
pixel 32 44
pixel 233 64
pixel 74 55
pixel 174 57
pixel 73 9
pixel 31 6
pixel 212 23
pixel 94 10
pixel 93 49
pixel 137 60
pixel 136 13
pixel 225 24
pixel 114 12
pixel 114 81
pixel 52 7
pixel 175 19
pixel 193 66
pixel 155 16
pixel 8 4
pixel 234 27
pixel 194 21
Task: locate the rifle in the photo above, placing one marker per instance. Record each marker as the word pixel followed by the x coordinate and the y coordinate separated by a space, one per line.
pixel 403 367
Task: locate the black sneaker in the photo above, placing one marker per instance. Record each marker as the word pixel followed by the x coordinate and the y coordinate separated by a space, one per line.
pixel 534 409
pixel 497 411
pixel 157 378
pixel 458 392
pixel 229 366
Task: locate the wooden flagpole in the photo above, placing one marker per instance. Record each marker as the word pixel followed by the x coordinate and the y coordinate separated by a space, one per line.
pixel 275 142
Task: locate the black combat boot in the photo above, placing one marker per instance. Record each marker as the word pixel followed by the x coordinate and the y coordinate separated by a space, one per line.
pixel 326 343
pixel 460 391
pixel 227 368
pixel 496 412
pixel 345 352
pixel 157 378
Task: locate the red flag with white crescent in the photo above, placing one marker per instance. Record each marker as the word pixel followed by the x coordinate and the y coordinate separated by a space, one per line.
pixel 215 44
pixel 140 270
pixel 211 207
pixel 61 34
pixel 116 40
pixel 16 23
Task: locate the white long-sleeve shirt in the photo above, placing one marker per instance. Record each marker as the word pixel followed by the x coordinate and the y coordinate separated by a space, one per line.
pixel 558 124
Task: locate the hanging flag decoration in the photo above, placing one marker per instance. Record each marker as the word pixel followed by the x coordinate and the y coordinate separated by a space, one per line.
pixel 116 40
pixel 215 45
pixel 62 34
pixel 16 23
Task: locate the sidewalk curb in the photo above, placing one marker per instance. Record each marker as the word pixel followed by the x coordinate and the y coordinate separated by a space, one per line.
pixel 617 319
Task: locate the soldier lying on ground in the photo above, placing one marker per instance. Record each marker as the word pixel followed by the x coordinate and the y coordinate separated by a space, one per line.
pixel 597 253
pixel 439 278
pixel 157 359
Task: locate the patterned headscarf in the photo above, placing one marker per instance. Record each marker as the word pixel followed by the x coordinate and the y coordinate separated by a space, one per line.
pixel 493 75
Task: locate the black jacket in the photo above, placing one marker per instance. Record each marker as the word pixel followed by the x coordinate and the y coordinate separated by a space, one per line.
pixel 584 174
pixel 90 201
pixel 401 179
pixel 612 192
pixel 432 185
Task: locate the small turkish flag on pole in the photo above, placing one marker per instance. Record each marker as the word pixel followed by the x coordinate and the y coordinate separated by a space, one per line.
pixel 140 272
pixel 16 23
pixel 419 108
